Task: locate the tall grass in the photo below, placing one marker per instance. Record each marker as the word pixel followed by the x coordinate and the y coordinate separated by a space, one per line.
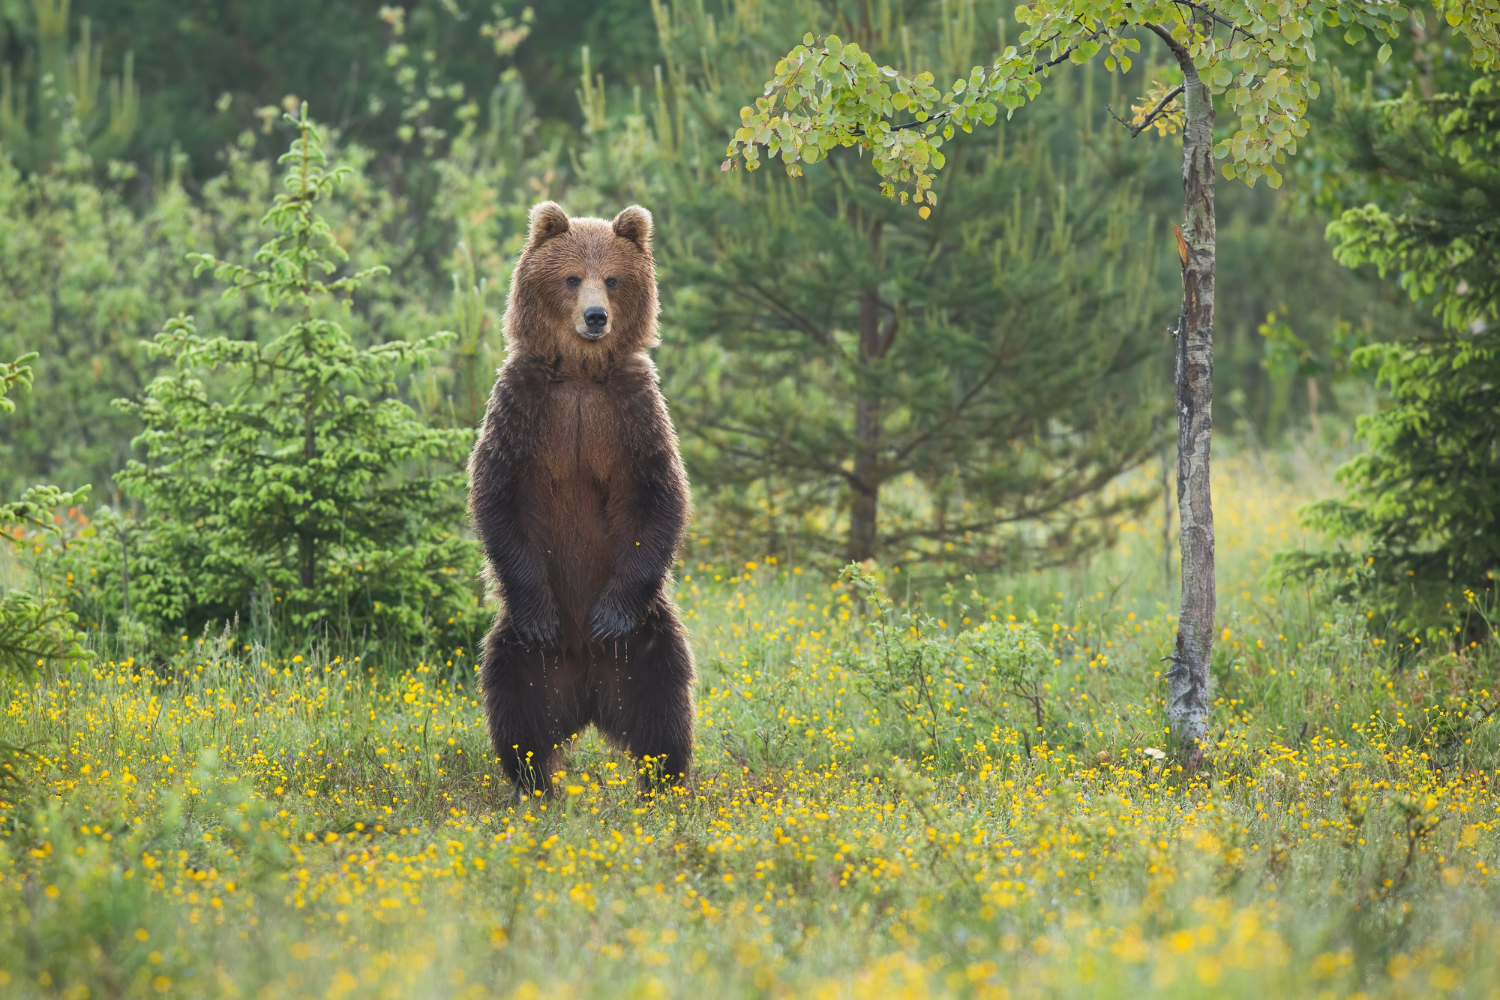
pixel 960 795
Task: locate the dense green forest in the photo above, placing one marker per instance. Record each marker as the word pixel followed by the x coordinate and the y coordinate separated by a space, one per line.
pixel 161 141
pixel 994 695
pixel 831 359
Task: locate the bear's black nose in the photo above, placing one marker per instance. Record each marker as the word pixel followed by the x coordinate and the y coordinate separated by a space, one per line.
pixel 595 317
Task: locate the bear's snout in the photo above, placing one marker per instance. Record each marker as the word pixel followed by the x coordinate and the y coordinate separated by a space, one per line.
pixel 591 311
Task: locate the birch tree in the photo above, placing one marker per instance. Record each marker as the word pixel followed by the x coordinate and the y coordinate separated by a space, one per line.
pixel 1253 57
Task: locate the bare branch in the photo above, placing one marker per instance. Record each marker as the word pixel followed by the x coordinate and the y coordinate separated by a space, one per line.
pixel 1156 112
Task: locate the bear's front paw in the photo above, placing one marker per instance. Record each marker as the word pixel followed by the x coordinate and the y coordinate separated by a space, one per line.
pixel 611 619
pixel 540 628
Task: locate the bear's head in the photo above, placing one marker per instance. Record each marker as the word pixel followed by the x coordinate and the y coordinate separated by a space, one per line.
pixel 584 290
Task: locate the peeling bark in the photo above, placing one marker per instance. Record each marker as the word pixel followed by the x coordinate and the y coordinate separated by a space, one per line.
pixel 1189 680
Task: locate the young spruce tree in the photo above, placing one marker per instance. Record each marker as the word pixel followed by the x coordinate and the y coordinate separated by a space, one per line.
pixel 1423 503
pixel 299 488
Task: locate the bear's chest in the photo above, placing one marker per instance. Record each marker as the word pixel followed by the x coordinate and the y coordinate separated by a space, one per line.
pixel 581 442
pixel 577 483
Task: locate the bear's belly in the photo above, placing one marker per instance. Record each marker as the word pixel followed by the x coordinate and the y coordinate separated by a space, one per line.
pixel 578 549
pixel 581 456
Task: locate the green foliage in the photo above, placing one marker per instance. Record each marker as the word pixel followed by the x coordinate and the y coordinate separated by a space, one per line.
pixel 60 90
pixel 209 69
pixel 283 477
pixel 1265 386
pixel 1479 21
pixel 88 264
pixel 34 627
pixel 87 274
pixel 1290 355
pixel 828 93
pixel 928 686
pixel 1421 500
pixel 853 381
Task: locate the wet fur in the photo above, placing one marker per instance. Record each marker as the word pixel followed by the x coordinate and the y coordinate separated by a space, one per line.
pixel 580 500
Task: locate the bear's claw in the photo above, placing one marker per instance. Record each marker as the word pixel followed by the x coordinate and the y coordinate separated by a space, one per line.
pixel 539 630
pixel 610 621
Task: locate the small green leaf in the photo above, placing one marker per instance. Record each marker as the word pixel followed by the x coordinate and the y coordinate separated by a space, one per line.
pixel 1384 54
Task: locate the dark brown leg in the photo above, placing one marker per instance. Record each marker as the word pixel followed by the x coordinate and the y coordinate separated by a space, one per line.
pixel 646 697
pixel 534 703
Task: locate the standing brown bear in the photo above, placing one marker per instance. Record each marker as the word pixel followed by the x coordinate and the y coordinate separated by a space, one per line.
pixel 580 499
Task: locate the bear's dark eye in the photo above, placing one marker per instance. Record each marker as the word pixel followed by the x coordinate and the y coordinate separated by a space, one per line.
pixel 611 282
pixel 574 282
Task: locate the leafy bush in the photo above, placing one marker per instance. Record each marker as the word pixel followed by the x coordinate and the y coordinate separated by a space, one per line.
pixel 285 481
pixel 929 687
pixel 33 626
pixel 90 259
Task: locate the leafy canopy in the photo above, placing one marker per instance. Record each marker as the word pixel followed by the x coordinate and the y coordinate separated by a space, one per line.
pixel 1255 55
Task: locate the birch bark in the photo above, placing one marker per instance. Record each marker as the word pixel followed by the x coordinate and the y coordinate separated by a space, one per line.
pixel 1189 680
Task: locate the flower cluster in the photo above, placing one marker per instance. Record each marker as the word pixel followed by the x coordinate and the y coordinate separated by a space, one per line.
pixel 971 796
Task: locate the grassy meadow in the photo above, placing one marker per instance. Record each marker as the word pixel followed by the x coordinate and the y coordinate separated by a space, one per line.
pixel 966 798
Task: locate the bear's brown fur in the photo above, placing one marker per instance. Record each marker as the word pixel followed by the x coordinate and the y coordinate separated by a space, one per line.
pixel 580 500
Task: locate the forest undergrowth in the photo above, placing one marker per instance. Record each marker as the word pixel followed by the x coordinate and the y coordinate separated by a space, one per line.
pixel 970 796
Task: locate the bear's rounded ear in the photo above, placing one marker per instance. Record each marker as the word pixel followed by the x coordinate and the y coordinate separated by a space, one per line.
pixel 547 220
pixel 634 224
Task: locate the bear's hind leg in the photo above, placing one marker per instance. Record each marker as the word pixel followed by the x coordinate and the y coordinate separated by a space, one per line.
pixel 532 706
pixel 646 704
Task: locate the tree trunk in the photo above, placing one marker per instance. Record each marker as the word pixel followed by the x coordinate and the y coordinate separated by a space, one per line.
pixel 1188 692
pixel 874 344
pixel 865 488
pixel 1166 503
pixel 306 543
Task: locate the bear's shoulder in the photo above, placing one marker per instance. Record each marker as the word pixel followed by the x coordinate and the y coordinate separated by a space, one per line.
pixel 635 371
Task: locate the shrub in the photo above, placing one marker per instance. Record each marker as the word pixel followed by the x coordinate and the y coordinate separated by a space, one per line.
pixel 285 481
pixel 33 626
